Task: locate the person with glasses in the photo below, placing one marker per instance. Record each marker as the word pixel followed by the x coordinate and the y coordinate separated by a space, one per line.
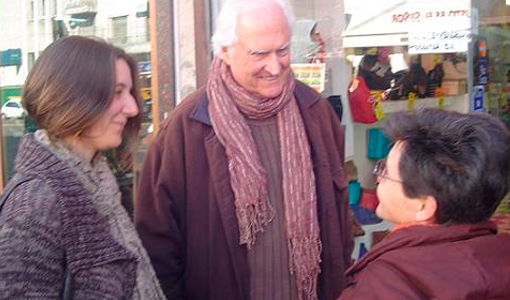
pixel 442 180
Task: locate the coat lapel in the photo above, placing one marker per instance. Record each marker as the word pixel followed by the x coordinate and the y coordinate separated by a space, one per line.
pixel 306 100
pixel 224 196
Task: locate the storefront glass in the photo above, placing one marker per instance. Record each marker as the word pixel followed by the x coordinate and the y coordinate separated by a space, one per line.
pixel 37 24
pixel 452 55
pixel 493 58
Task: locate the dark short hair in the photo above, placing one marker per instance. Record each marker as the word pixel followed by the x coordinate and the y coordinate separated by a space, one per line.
pixel 72 84
pixel 463 160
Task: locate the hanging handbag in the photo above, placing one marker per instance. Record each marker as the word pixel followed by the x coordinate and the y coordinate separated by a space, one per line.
pixel 378 145
pixel 361 102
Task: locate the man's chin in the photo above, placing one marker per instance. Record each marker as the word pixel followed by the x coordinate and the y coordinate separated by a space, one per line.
pixel 270 93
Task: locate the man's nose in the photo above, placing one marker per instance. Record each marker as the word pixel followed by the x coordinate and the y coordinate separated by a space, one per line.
pixel 272 64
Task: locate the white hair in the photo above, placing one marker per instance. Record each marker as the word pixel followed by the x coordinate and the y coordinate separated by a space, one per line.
pixel 226 23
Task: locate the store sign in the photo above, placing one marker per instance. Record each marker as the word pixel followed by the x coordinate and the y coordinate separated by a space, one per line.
pixel 441 41
pixel 442 28
pixel 428 15
pixel 427 26
pixel 10 57
pixel 481 62
pixel 314 75
pixel 477 98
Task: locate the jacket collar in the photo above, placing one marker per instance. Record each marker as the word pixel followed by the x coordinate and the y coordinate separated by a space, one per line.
pixel 86 239
pixel 306 97
pixel 422 236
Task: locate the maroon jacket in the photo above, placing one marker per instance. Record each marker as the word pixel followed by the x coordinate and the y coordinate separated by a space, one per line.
pixel 458 262
pixel 185 208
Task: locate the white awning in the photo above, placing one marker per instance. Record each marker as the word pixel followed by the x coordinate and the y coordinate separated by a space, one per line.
pixel 391 22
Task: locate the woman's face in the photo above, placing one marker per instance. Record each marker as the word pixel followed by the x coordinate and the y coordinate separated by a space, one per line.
pixel 106 132
pixel 394 205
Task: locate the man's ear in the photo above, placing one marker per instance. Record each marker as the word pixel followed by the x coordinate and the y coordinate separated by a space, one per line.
pixel 225 55
pixel 427 210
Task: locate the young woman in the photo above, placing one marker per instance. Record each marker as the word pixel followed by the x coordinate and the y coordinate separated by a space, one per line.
pixel 63 230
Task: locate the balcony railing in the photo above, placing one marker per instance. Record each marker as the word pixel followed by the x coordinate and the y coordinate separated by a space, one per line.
pixel 81 6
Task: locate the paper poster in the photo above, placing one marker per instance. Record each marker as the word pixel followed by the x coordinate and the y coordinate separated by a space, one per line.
pixel 441 41
pixel 314 75
pixel 443 28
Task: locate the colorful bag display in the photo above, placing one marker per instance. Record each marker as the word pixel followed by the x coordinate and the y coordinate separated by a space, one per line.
pixel 354 192
pixel 369 199
pixel 378 146
pixel 361 102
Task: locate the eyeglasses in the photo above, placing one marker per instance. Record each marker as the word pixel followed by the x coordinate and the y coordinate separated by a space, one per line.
pixel 380 171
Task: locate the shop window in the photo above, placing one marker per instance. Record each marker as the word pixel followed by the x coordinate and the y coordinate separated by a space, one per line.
pixel 119 30
pixel 31 59
pixel 43 8
pixel 147 29
pixel 31 10
pixel 82 20
pixel 492 55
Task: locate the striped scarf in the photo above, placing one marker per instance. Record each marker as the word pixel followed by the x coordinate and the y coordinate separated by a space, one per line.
pixel 228 106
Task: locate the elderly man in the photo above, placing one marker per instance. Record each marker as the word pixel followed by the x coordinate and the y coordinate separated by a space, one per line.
pixel 243 194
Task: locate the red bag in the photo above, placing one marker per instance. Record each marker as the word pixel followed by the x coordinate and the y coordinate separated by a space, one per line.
pixel 361 102
pixel 369 199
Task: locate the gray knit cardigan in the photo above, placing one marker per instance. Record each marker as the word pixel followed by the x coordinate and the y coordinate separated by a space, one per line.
pixel 49 223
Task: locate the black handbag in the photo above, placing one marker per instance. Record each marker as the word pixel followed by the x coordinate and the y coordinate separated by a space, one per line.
pixel 336 103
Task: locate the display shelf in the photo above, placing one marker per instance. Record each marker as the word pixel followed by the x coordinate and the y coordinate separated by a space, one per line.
pixel 458 103
pixel 367 238
pixel 365 165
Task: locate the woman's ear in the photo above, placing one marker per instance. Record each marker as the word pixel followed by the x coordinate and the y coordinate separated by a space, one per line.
pixel 427 210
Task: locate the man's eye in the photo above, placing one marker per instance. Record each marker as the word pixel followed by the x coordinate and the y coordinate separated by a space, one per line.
pixel 258 55
pixel 283 51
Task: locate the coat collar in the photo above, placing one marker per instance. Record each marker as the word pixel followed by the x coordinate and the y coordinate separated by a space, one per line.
pixel 306 97
pixel 86 239
pixel 421 236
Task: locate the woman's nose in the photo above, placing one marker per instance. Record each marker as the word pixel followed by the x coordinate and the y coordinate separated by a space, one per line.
pixel 130 106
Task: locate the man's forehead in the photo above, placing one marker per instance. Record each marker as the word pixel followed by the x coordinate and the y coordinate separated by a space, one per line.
pixel 264 50
pixel 256 29
pixel 260 6
pixel 259 16
pixel 262 44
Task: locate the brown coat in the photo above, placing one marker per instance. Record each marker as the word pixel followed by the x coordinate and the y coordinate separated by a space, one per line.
pixel 185 207
pixel 457 262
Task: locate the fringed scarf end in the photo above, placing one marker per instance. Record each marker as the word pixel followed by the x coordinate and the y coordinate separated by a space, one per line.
pixel 305 264
pixel 253 219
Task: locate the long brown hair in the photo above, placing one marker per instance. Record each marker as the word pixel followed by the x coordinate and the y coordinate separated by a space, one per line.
pixel 72 84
